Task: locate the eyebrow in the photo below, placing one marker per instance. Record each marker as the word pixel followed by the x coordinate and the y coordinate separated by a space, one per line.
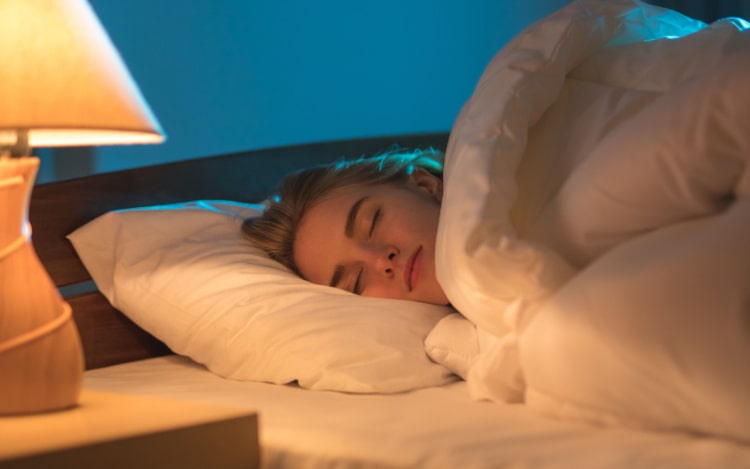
pixel 351 217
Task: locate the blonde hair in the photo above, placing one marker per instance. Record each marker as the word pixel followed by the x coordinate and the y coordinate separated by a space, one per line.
pixel 275 231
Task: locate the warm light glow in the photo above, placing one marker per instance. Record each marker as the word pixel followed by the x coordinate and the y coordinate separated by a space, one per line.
pixel 63 80
pixel 61 83
pixel 85 137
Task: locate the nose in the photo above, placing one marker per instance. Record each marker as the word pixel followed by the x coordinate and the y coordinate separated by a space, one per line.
pixel 384 259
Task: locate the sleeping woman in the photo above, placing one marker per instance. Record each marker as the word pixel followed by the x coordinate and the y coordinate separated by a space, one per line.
pixel 367 226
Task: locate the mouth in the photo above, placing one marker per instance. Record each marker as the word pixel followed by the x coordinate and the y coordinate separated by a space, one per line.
pixel 412 268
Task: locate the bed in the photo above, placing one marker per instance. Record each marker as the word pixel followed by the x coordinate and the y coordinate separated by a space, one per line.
pixel 342 382
pixel 439 426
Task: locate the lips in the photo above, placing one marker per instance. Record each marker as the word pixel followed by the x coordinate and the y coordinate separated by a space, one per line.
pixel 412 268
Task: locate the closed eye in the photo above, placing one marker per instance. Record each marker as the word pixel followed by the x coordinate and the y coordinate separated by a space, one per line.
pixel 375 218
pixel 357 290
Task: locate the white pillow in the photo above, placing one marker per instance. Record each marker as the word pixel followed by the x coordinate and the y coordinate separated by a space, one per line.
pixel 185 274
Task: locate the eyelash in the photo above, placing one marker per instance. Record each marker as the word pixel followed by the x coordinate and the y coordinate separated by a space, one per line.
pixel 357 290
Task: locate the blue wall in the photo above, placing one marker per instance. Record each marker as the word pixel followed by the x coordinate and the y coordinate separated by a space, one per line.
pixel 231 75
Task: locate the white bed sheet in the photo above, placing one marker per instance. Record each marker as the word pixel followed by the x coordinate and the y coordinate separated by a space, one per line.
pixel 439 427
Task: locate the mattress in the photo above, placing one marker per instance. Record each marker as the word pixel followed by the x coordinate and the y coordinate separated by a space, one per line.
pixel 437 427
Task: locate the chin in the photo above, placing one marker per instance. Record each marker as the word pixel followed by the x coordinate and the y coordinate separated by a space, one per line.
pixel 440 300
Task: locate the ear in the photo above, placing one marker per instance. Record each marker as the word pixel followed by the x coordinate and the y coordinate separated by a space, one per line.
pixel 427 181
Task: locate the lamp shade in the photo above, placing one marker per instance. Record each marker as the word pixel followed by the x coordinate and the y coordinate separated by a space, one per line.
pixel 62 80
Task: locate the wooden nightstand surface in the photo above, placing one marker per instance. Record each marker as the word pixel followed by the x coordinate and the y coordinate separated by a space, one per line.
pixel 114 430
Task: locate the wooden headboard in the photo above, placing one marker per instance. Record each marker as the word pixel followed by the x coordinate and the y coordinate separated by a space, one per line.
pixel 58 208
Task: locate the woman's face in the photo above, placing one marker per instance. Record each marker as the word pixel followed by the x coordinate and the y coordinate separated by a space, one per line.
pixel 376 241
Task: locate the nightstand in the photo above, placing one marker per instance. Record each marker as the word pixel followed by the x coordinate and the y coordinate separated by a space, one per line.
pixel 112 431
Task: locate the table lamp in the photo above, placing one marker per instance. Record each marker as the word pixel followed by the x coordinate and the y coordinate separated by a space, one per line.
pixel 62 83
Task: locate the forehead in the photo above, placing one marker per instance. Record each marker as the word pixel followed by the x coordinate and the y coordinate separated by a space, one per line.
pixel 343 199
pixel 333 207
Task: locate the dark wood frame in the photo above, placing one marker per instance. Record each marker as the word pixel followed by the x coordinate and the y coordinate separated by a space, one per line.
pixel 56 209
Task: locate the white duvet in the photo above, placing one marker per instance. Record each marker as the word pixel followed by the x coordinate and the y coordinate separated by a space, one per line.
pixel 595 228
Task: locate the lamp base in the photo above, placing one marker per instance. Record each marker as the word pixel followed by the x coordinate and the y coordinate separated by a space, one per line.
pixel 41 357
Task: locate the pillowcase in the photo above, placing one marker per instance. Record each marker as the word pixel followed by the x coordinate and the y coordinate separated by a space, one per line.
pixel 185 274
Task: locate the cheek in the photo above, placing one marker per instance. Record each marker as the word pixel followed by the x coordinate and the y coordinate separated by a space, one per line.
pixel 309 255
pixel 429 221
pixel 377 288
pixel 420 216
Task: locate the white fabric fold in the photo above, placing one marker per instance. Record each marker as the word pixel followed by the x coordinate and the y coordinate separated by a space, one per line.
pixel 599 103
